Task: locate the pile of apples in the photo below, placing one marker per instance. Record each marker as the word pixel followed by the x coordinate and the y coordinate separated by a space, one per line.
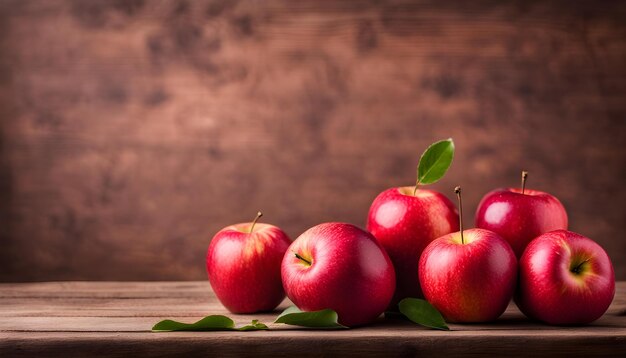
pixel 415 246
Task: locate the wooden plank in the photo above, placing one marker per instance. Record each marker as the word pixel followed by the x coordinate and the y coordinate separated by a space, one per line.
pixel 518 326
pixel 47 319
pixel 317 343
pixel 118 289
pixel 151 289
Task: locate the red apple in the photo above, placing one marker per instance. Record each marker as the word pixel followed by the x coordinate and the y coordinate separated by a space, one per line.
pixel 243 264
pixel 565 278
pixel 340 267
pixel 470 275
pixel 405 224
pixel 469 280
pixel 520 215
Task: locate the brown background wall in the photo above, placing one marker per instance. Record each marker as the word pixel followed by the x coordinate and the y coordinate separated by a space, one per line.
pixel 131 131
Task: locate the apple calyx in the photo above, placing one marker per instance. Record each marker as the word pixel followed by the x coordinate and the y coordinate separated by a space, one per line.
pixel 258 215
pixel 524 176
pixel 303 259
pixel 457 191
pixel 578 269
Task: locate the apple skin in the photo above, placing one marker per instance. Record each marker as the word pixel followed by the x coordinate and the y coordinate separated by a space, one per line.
pixel 518 217
pixel 244 268
pixel 405 224
pixel 471 282
pixel 350 273
pixel 550 292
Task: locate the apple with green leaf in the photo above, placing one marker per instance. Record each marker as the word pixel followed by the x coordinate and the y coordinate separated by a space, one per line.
pixel 565 278
pixel 243 264
pixel 339 267
pixel 520 215
pixel 470 275
pixel 406 219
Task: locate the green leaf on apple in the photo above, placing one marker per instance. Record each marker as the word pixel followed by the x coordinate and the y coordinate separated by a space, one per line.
pixel 435 161
pixel 208 323
pixel 315 319
pixel 422 313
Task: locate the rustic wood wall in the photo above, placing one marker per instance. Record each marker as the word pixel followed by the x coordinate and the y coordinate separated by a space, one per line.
pixel 131 131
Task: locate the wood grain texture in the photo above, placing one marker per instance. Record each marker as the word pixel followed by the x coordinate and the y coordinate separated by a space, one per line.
pixel 114 319
pixel 131 131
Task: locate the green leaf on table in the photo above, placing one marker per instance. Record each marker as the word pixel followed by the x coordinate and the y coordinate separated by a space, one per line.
pixel 208 323
pixel 316 319
pixel 435 161
pixel 255 325
pixel 422 313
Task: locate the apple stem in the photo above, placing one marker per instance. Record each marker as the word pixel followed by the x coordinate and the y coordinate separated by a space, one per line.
pixel 524 176
pixel 302 258
pixel 258 215
pixel 416 184
pixel 457 191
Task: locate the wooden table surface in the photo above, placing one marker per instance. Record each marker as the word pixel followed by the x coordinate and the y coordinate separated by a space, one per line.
pixel 114 319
